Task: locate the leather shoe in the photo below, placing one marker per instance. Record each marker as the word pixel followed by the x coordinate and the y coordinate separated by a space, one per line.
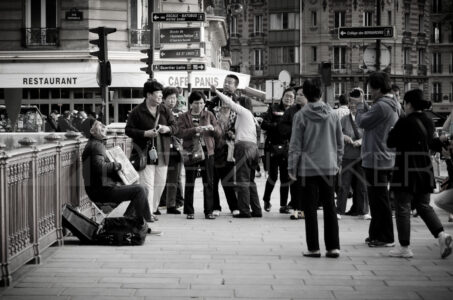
pixel 173 210
pixel 242 215
pixel 209 217
pixel 267 206
pixel 334 253
pixel 311 253
pixel 257 215
pixel 157 212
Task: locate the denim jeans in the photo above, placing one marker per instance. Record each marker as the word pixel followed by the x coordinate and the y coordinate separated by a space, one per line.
pixel 173 177
pixel 403 215
pixel 225 174
pixel 207 174
pixel 381 224
pixel 277 163
pixel 315 188
pixel 246 156
pixel 353 174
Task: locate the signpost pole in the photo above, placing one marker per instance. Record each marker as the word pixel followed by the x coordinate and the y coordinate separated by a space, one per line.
pixel 378 41
pixel 151 36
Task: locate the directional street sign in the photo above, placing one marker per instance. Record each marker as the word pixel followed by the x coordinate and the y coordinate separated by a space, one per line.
pixel 179 35
pixel 179 17
pixel 180 67
pixel 180 53
pixel 380 32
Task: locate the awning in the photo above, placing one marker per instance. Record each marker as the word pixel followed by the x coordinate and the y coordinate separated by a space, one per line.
pixel 83 75
pixel 68 74
pixel 200 79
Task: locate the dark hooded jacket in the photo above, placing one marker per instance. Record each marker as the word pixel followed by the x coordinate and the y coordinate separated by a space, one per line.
pixel 270 123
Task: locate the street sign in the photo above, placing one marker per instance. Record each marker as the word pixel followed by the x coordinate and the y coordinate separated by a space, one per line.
pixel 180 35
pixel 381 32
pixel 179 17
pixel 180 53
pixel 180 67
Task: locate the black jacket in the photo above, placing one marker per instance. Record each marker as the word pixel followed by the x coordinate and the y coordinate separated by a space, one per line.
pixel 98 172
pixel 413 168
pixel 286 124
pixel 270 123
pixel 141 120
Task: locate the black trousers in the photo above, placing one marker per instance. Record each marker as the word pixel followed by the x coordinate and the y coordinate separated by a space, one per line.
pixel 352 174
pixel 246 156
pixel 206 168
pixel 170 193
pixel 225 175
pixel 277 163
pixel 316 187
pixel 136 193
pixel 381 225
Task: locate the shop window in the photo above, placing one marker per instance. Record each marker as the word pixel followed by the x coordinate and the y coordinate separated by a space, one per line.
pixel 137 93
pixel 44 109
pixel 2 93
pixel 78 94
pixel 34 93
pixel 44 93
pixel 64 93
pixel 126 93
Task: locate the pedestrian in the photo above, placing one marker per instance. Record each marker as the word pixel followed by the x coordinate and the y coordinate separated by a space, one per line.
pixel 413 178
pixel 377 158
pixel 170 192
pixel 52 122
pixel 151 125
pixel 276 151
pixel 352 173
pixel 197 128
pixel 65 123
pixel 285 129
pixel 246 154
pixel 315 152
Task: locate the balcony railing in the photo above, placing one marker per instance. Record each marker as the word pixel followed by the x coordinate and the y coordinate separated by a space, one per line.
pixel 436 97
pixel 433 39
pixel 422 70
pixel 139 37
pixel 41 37
pixel 257 34
pixel 436 69
pixel 408 69
pixel 338 66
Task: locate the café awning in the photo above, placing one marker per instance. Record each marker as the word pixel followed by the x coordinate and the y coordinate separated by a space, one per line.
pixel 67 74
pixel 83 75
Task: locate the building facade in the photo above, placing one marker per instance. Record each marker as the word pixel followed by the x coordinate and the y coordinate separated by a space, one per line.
pixel 45 50
pixel 300 35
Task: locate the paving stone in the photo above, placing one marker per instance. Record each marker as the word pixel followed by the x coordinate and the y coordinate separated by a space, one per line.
pixel 90 291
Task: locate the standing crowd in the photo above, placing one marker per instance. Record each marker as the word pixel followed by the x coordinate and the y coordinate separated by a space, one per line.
pixel 358 150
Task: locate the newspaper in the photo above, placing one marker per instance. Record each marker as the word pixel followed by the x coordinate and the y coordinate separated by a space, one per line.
pixel 127 173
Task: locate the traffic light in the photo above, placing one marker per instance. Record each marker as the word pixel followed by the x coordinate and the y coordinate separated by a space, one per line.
pixel 102 32
pixel 148 60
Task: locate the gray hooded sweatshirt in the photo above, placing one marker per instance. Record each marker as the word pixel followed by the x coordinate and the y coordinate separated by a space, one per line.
pixel 316 146
pixel 377 121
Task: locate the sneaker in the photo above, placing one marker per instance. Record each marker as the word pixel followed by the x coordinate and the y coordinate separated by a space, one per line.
pixel 404 252
pixel 173 211
pixel 366 217
pixel 367 240
pixel 156 232
pixel 338 216
pixel 242 215
pixel 311 253
pixel 294 216
pixel 216 213
pixel 445 244
pixel 376 243
pixel 334 253
pixel 301 215
pixel 235 212
pixel 267 206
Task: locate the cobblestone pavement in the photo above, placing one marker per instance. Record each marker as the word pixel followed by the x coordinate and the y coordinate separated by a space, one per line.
pixel 238 258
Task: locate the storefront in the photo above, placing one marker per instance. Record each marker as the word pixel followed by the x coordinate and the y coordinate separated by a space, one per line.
pixel 73 85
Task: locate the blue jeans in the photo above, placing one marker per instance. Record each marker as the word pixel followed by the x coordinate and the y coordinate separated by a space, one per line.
pixel 353 174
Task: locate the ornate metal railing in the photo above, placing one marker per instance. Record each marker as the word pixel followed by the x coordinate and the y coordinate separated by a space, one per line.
pixel 40 37
pixel 35 182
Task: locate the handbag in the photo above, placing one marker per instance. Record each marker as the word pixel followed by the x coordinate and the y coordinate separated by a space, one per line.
pixel 138 159
pixel 196 155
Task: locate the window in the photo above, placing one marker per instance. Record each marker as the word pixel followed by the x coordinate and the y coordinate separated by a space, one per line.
pixel 406 21
pixel 339 89
pixel 258 59
pixel 340 19
pixel 389 17
pixel 437 92
pixel 258 24
pixel 421 56
pixel 314 51
pixel 421 21
pixel 450 67
pixel 139 14
pixel 339 58
pixel 284 55
pixel 436 63
pixel 41 22
pixel 368 18
pixel 437 6
pixel 314 19
pixel 437 33
pixel 282 21
pixel 234 26
pixel 407 57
